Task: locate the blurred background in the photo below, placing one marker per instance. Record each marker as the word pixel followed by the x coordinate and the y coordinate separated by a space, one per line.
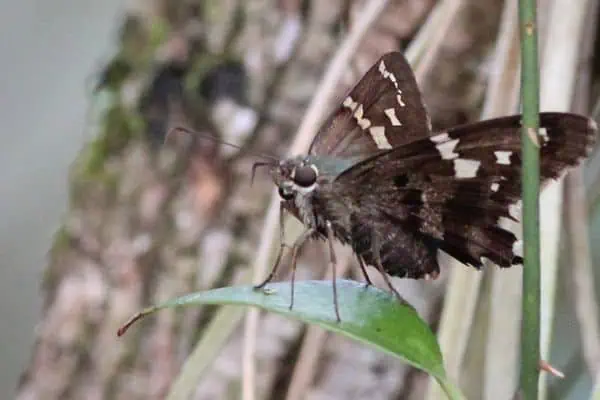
pixel 51 53
pixel 100 219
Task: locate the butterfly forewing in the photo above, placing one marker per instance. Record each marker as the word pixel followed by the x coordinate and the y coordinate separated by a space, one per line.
pixel 383 111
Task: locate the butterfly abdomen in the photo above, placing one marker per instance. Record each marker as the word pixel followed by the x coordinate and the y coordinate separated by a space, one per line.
pixel 376 240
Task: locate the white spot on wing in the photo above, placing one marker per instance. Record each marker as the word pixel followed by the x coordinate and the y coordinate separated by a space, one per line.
pixel 544 134
pixel 466 168
pixel 495 186
pixel 378 135
pixel 364 123
pixel 439 138
pixel 514 210
pixel 383 70
pixel 399 99
pixel 505 223
pixel 359 112
pixel 349 103
pixel 503 157
pixel 446 149
pixel 392 78
pixel 391 114
pixel 517 248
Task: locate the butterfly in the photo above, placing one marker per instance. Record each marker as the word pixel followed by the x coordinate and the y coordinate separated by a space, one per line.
pixel 378 179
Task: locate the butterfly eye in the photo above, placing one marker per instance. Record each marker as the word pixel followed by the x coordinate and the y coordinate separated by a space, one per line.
pixel 305 175
pixel 285 195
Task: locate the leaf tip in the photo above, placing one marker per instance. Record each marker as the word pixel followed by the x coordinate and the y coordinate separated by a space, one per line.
pixel 125 327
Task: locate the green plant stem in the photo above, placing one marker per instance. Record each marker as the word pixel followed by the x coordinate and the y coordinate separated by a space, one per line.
pixel 530 327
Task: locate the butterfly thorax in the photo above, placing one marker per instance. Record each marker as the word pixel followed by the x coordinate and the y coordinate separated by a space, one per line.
pixel 303 184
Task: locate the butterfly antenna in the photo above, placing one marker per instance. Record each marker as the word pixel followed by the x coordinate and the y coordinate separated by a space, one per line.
pixel 177 129
pixel 257 165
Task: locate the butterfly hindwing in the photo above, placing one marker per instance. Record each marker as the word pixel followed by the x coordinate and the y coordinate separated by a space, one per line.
pixel 384 110
pixel 453 191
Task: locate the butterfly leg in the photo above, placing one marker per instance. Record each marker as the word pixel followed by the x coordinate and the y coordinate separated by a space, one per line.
pixel 295 250
pixel 379 265
pixel 363 268
pixel 282 247
pixel 333 264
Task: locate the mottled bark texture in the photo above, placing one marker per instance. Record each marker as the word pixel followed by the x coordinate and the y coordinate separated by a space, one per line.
pixel 147 222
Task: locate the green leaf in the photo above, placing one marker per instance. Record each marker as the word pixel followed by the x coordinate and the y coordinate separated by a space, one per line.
pixel 369 315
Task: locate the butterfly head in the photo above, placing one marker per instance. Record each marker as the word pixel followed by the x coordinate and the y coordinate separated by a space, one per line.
pixel 296 176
